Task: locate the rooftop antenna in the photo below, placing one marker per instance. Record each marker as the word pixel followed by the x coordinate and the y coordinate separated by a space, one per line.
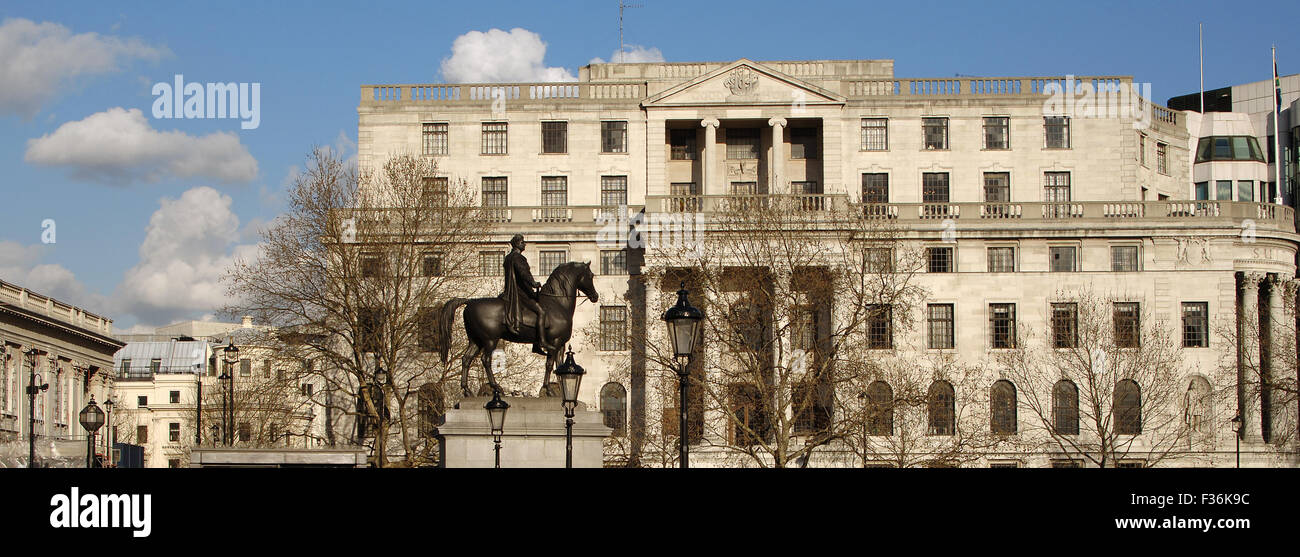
pixel 621 47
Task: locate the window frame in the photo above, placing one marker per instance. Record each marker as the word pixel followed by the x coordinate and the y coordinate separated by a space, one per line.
pixel 620 135
pixel 1064 124
pixel 867 127
pixel 491 138
pixel 993 123
pixel 947 326
pixel 935 123
pixel 610 340
pixel 435 139
pixel 559 132
pixel 989 259
pixel 1203 338
pixel 1009 316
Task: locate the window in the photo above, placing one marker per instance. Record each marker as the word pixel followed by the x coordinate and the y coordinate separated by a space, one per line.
pixel 613 407
pixel 875 134
pixel 1065 325
pixel 432 409
pixel 875 187
pixel 1131 464
pixel 1202 191
pixel 1142 149
pixel 613 137
pixel 1065 408
pixel 125 367
pixel 434 138
pixel 1003 464
pixel 1123 259
pixel 935 131
pixel 1062 259
pixel 1002 408
pixel 812 408
pixel 142 434
pixel 1127 325
pixel 174 432
pixel 141 402
pixel 997 132
pixel 1230 148
pixel 1002 260
pixel 613 328
pixel 803 143
pixel 879 260
pixel 1196 330
pixel 941 408
pixel 372 266
pixel 939 260
pixel 495 192
pixel 245 367
pixel 1223 190
pixel 431 265
pixel 155 366
pixel 803 321
pixel 490 263
pixel 173 463
pixel 939 326
pixel 750 424
pixel 997 187
pixel 426 320
pixel 682 145
pixel 1056 131
pixel 245 432
pixel 548 260
pixel 613 262
pixel 369 334
pixel 934 187
pixel 174 397
pixel 742 143
pixel 1162 158
pixel 307 389
pixel 555 137
pixel 1245 190
pixel 555 193
pixel 879 331
pixel 1066 463
pixel 495 138
pixel 613 191
pixel 811 192
pixel 1128 408
pixel 880 409
pixel 1056 187
pixel 1002 323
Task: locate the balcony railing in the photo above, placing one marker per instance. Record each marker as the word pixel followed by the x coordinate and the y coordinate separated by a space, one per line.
pixel 552 214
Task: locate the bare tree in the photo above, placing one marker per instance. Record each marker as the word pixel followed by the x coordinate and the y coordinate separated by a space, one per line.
pixel 1258 368
pixel 352 272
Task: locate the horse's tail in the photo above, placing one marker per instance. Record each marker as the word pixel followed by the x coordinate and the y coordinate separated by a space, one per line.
pixel 447 318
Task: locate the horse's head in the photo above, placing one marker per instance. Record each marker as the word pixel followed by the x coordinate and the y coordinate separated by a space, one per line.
pixel 587 283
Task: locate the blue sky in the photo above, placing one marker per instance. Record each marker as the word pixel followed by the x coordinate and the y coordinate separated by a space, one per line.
pixel 311 57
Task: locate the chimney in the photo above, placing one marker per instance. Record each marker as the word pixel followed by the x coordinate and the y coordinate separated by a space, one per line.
pixel 248 322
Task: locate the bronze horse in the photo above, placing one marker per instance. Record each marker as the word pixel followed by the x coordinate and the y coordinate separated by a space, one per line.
pixel 485 321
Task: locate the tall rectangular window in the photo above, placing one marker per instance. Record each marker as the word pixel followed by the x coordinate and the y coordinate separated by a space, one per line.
pixel 1056 187
pixel 1245 190
pixel 940 260
pixel 142 434
pixel 742 143
pixel 613 328
pixel 1142 149
pixel 880 334
pixel 1002 325
pixel 1162 158
pixel 1196 324
pixel 434 191
pixel 547 261
pixel 1002 260
pixel 997 132
pixel 875 134
pixel 997 187
pixel 934 187
pixel 431 265
pixel 174 432
pixel 613 262
pixel 495 138
pixel 880 260
pixel 555 193
pixel 613 191
pixel 939 321
pixel 875 187
pixel 1065 325
pixel 613 137
pixel 1056 130
pixel 245 367
pixel 682 145
pixel 434 138
pixel 495 192
pixel 803 143
pixel 1062 259
pixel 1124 259
pixel 1202 191
pixel 1127 324
pixel 491 264
pixel 1223 190
pixel 555 137
pixel 935 131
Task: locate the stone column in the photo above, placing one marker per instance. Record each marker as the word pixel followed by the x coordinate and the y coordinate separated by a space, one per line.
pixel 1248 357
pixel 776 165
pixel 707 184
pixel 1278 348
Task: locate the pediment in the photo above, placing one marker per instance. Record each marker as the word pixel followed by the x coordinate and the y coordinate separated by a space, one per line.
pixel 744 82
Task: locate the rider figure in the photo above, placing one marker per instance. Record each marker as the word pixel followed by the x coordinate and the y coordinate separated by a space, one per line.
pixel 521 292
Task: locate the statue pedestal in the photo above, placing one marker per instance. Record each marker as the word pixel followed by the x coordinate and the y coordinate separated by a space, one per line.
pixel 533 435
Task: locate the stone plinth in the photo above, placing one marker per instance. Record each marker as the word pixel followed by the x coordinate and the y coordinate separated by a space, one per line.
pixel 534 435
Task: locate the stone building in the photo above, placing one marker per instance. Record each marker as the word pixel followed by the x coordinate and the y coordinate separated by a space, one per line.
pixel 1016 189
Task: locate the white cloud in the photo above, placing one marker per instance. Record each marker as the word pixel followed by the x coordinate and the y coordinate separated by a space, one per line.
pixel 118 146
pixel 189 244
pixel 634 54
pixel 38 59
pixel 21 264
pixel 498 56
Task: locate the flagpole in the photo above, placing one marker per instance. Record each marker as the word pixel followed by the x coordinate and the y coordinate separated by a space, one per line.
pixel 1200 41
pixel 1277 129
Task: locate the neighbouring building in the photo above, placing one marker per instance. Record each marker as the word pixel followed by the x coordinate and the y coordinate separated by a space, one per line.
pixel 1013 189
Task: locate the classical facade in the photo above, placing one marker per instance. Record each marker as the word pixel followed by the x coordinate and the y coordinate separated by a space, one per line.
pixel 66 348
pixel 1017 191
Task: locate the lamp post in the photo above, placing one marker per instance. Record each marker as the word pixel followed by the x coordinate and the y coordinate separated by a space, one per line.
pixel 231 356
pixel 1236 425
pixel 91 418
pixel 216 431
pixel 32 390
pixel 198 404
pixel 496 409
pixel 683 322
pixel 382 380
pixel 570 376
pixel 108 435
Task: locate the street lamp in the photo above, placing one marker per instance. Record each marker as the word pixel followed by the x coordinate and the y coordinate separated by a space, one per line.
pixel 1236 425
pixel 570 376
pixel 198 404
pixel 496 409
pixel 91 418
pixel 231 356
pixel 683 322
pixel 108 435
pixel 32 390
pixel 382 380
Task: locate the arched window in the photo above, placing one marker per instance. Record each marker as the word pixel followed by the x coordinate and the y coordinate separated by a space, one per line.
pixel 1065 408
pixel 1002 408
pixel 942 408
pixel 880 409
pixel 1128 408
pixel 432 409
pixel 613 406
